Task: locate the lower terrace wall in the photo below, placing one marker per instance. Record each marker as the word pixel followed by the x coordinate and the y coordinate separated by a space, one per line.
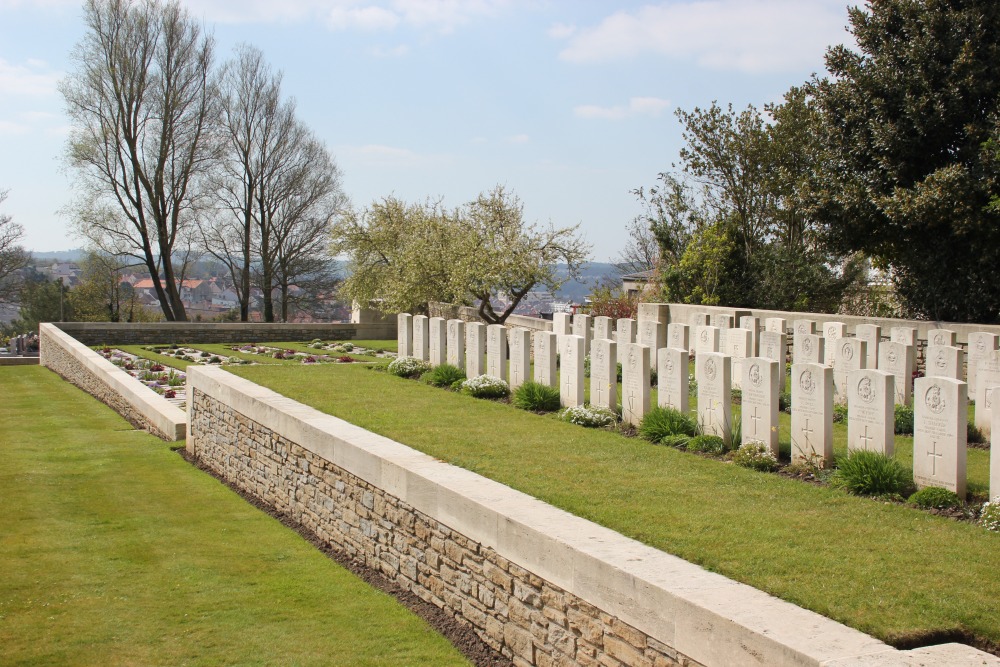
pixel 540 585
pixel 151 333
pixel 97 376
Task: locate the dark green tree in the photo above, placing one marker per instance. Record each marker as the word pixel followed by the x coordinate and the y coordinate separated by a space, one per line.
pixel 905 175
pixel 42 300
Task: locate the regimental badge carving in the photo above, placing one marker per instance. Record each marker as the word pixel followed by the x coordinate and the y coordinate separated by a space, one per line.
pixel 668 365
pixel 831 332
pixel 940 361
pixel 806 382
pixel 807 345
pixel 633 359
pixel 866 389
pixel 770 351
pixel 892 356
pixel 710 370
pixel 756 379
pixel 704 336
pixel 981 344
pixel 939 339
pixel 934 400
pixel 599 353
pixel 847 351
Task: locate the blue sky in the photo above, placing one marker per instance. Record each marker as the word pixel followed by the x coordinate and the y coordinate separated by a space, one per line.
pixel 568 103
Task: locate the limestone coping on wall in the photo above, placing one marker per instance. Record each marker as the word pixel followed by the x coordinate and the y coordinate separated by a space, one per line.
pixel 162 415
pixel 702 615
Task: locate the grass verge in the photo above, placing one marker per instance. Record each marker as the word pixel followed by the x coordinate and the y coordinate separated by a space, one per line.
pixel 894 572
pixel 115 551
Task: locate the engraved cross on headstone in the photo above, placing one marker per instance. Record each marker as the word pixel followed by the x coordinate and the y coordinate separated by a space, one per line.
pixel 935 455
pixel 600 393
pixel 807 431
pixel 754 418
pixel 865 438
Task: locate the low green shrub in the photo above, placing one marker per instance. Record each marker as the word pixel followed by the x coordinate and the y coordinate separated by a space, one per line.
pixel 709 444
pixel 839 413
pixel 590 416
pixel 756 455
pixel 904 420
pixel 934 497
pixel 989 516
pixel 444 375
pixel 660 422
pixel 785 401
pixel 867 473
pixel 486 386
pixel 586 366
pixel 974 435
pixel 678 440
pixel 736 395
pixel 536 397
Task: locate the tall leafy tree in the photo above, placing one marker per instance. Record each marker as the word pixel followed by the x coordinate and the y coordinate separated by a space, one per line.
pixel 13 256
pixel 905 175
pixel 140 102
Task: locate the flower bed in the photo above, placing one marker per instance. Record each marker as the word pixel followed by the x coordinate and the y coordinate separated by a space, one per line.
pixel 168 382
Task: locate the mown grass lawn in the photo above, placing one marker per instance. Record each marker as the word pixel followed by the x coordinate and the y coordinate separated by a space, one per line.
pixel 889 570
pixel 115 551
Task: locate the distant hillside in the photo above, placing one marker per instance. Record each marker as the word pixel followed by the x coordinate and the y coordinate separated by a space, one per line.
pixel 577 290
pixel 61 255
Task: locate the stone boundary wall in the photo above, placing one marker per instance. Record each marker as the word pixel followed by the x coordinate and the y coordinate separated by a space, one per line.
pixel 18 361
pixel 452 312
pixel 97 376
pixel 150 333
pixel 536 583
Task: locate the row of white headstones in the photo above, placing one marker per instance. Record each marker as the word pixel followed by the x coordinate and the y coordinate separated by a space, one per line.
pixel 868 374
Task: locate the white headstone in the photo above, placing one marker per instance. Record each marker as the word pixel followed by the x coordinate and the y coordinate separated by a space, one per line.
pixel 657 312
pixel 456 343
pixel 850 355
pixel 562 325
pixel 706 339
pixel 752 324
pixel 672 379
pixel 738 349
pixel 602 328
pixel 520 357
pixel 635 383
pixel 904 335
pixel 940 410
pixel 760 402
pixel 624 334
pixel 723 321
pixel 571 371
pixel 581 327
pixel 603 373
pixel 987 379
pixel 404 335
pixel 421 338
pixel 808 349
pixel 712 371
pixel 475 349
pixel 942 337
pixel 995 458
pixel 437 341
pixel 981 345
pixel 898 359
pixel 774 346
pixel 871 406
pixel 776 325
pixel 944 361
pixel 812 414
pixel 699 320
pixel 678 336
pixel 832 331
pixel 804 327
pixel 872 335
pixel 546 347
pixel 496 351
pixel 653 335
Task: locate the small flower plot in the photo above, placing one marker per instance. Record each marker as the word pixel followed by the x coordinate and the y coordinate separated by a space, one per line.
pixel 168 382
pixel 327 353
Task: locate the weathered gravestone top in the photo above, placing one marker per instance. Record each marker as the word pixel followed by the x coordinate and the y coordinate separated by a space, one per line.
pixel 404 335
pixel 760 402
pixel 939 434
pixel 871 411
pixel 672 379
pixel 812 414
pixel 635 383
pixel 604 374
pixel 715 410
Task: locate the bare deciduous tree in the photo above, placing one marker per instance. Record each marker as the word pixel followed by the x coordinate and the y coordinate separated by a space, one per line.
pixel 141 103
pixel 13 256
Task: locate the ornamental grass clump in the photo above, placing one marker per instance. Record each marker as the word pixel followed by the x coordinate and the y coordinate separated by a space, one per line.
pixel 868 473
pixel 661 422
pixel 904 420
pixel 486 386
pixel 590 416
pixel 408 367
pixel 445 375
pixel 934 497
pixel 536 397
pixel 989 516
pixel 756 455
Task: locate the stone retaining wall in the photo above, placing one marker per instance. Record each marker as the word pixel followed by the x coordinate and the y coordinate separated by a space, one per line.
pixel 151 333
pixel 536 583
pixel 111 385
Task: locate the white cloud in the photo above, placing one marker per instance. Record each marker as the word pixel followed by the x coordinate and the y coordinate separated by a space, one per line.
pixel 561 31
pixel 363 18
pixel 637 106
pixel 743 35
pixel 12 129
pixel 32 78
pixel 518 139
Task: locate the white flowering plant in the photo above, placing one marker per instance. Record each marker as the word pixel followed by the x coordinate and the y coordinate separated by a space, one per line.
pixel 486 386
pixel 989 516
pixel 591 416
pixel 757 455
pixel 408 367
